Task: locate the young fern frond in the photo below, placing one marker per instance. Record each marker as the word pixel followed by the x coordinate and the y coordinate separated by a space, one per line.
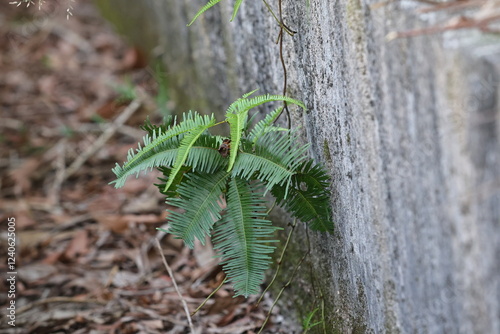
pixel 237 116
pixel 243 97
pixel 236 122
pixel 308 197
pixel 203 9
pixel 249 103
pixel 243 235
pixel 199 197
pixel 186 144
pixel 273 160
pixel 265 126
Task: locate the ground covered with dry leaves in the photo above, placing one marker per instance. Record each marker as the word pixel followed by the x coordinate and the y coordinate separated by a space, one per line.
pixel 72 96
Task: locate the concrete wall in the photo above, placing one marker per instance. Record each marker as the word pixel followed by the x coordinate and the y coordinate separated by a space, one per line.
pixel 409 130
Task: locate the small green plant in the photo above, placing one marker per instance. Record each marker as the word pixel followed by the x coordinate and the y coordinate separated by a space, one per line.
pixel 307 322
pixel 220 183
pixel 126 91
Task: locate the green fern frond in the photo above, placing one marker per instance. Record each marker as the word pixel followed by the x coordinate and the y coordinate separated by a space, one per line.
pixel 168 121
pixel 314 178
pixel 237 119
pixel 243 97
pixel 157 148
pixel 249 103
pixel 172 190
pixel 199 197
pixel 274 160
pixel 237 122
pixel 160 153
pixel 235 9
pixel 243 235
pixel 186 144
pixel 307 322
pixel 204 156
pixel 265 126
pixel 237 116
pixel 308 199
pixel 246 95
pixel 203 9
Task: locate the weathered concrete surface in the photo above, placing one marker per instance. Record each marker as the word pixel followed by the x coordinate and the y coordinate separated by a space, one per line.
pixel 409 130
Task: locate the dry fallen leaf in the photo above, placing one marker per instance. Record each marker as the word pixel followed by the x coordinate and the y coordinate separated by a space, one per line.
pixel 23 173
pixel 78 246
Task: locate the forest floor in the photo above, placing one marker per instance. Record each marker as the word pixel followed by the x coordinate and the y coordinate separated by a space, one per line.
pixel 72 96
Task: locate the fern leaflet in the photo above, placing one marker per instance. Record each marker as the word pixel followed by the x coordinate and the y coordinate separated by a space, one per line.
pixel 266 126
pixel 235 9
pixel 236 122
pixel 308 198
pixel 203 9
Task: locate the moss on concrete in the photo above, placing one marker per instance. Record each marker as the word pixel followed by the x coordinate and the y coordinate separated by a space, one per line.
pixel 326 151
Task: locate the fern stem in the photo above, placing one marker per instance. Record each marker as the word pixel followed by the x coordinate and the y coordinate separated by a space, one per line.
pixel 209 296
pixel 287 284
pixel 285 105
pixel 279 262
pixel 271 208
pixel 225 121
pixel 323 313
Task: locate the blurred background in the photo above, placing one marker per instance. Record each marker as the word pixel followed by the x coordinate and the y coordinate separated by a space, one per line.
pixel 72 97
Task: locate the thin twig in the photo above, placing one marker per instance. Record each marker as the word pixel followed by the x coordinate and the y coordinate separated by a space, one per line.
pixel 280 40
pixel 209 296
pixel 455 5
pixel 455 24
pixel 58 300
pixel 271 208
pixel 323 313
pixel 279 262
pixel 60 164
pixel 107 134
pixel 171 274
pixel 287 284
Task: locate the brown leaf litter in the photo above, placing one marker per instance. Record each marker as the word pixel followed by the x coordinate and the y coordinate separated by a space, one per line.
pixel 86 255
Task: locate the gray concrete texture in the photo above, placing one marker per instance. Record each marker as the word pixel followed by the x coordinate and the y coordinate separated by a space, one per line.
pixel 408 129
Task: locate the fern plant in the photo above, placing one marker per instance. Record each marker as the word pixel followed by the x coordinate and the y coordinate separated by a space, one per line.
pixel 219 183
